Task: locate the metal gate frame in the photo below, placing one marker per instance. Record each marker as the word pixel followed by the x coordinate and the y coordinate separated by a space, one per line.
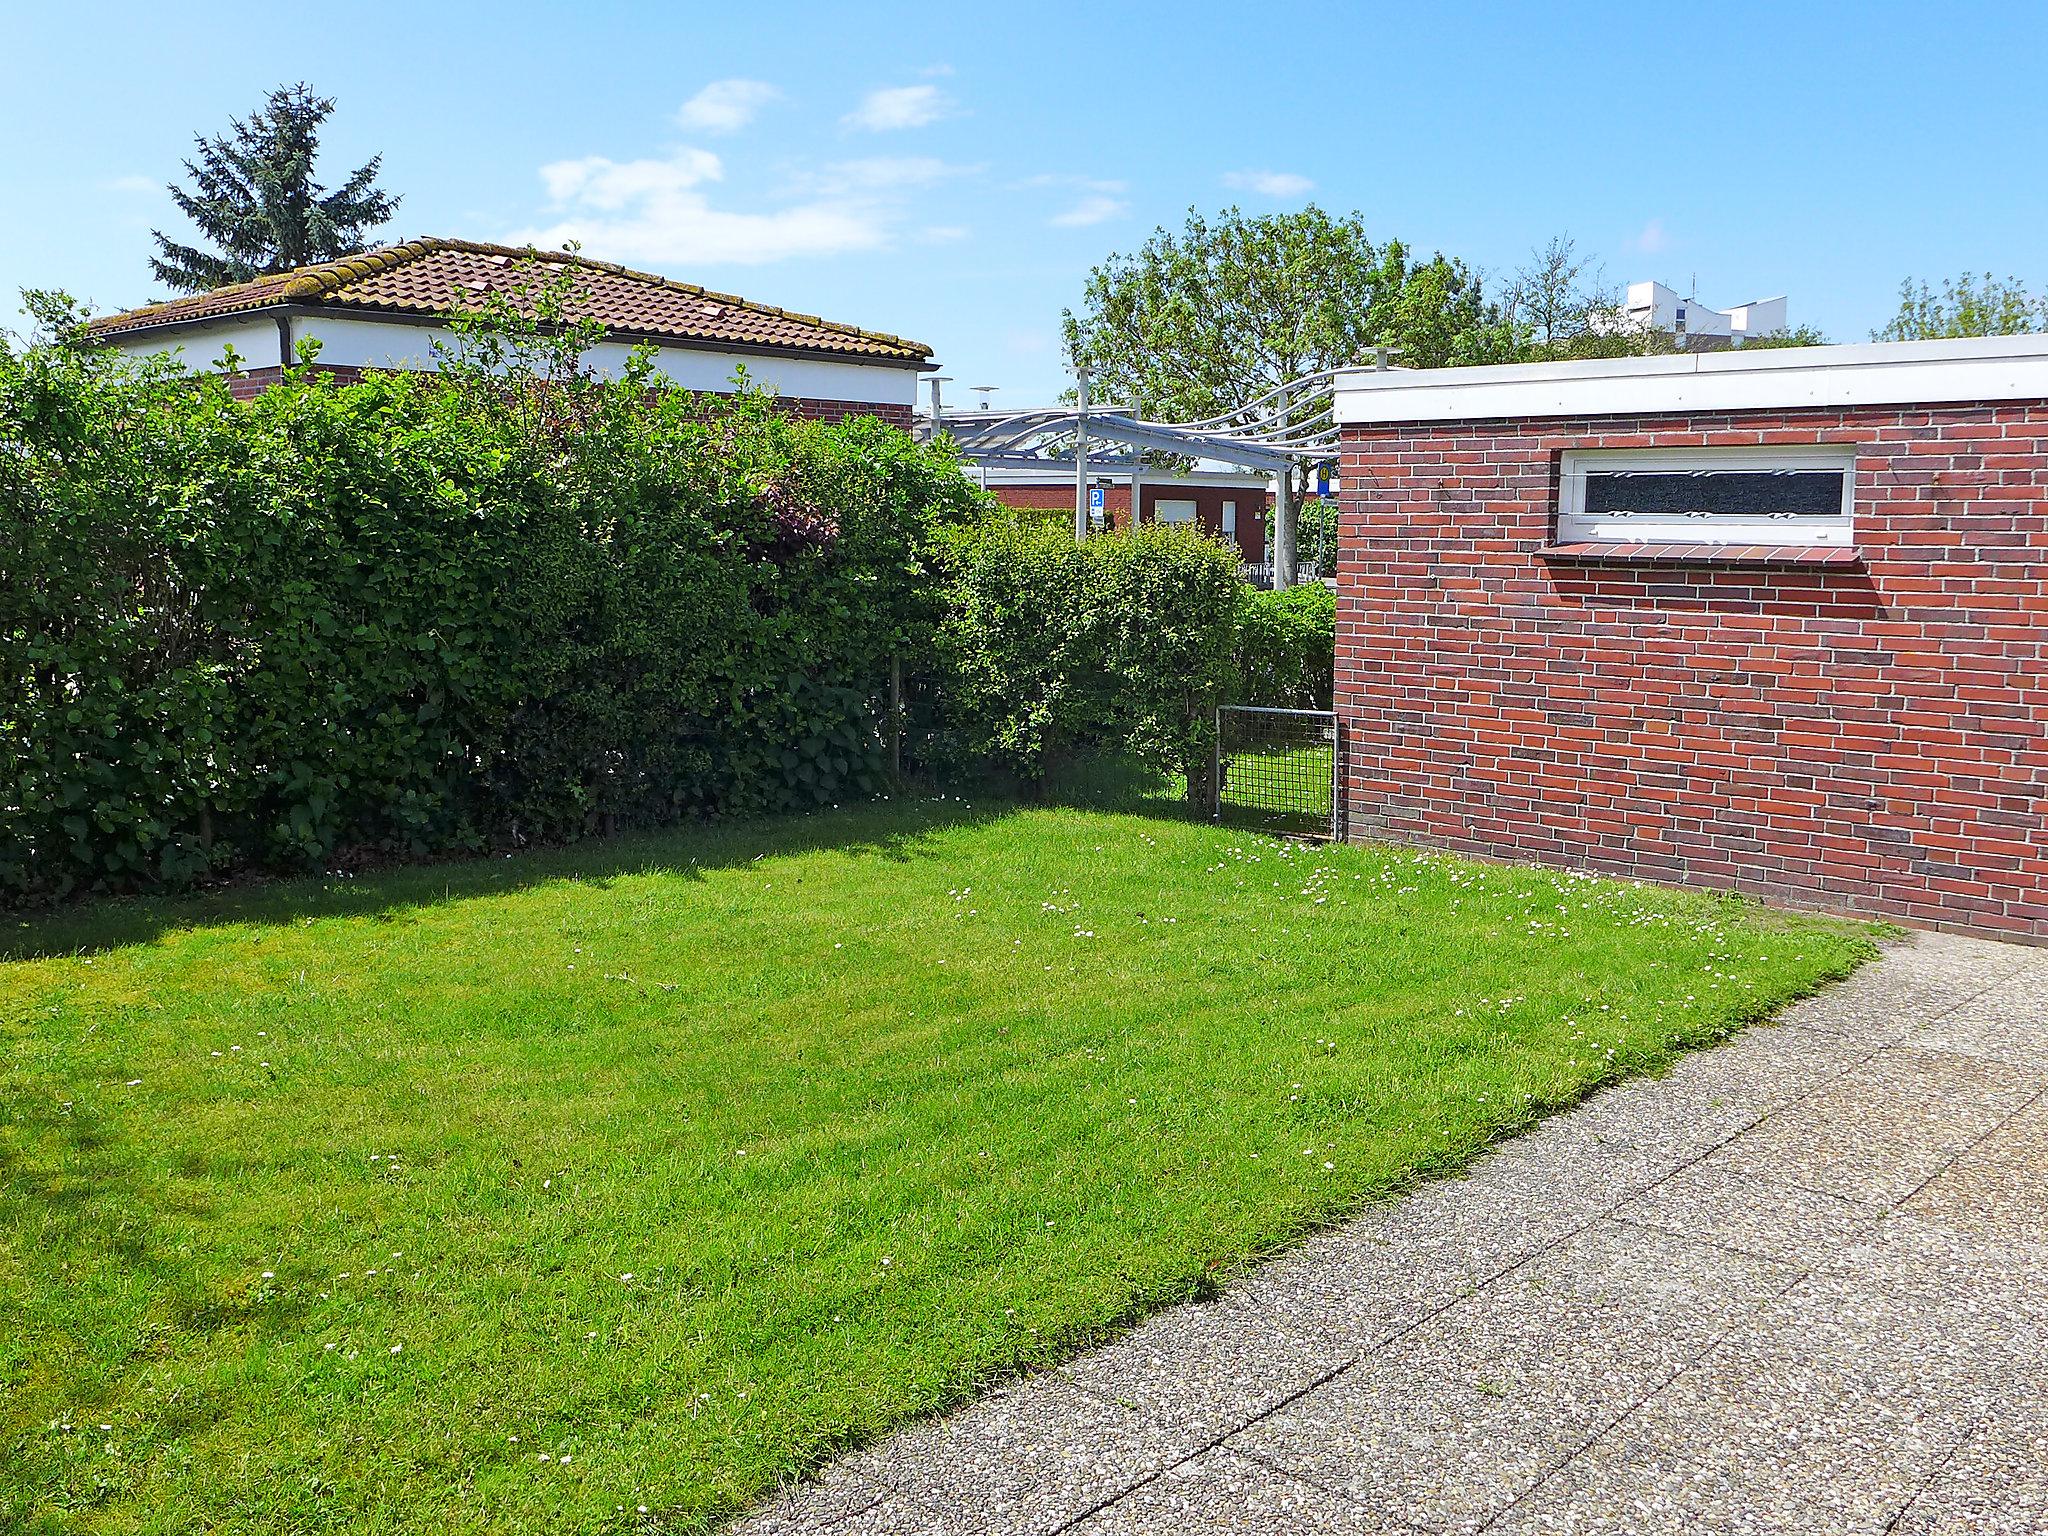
pixel 1329 717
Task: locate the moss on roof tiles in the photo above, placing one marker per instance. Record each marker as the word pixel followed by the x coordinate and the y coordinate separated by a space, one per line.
pixel 624 310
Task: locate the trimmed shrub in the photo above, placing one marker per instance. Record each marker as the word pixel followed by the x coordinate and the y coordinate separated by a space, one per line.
pixel 1050 649
pixel 405 616
pixel 1286 648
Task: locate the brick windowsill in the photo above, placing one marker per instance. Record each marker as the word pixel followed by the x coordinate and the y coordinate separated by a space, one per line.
pixel 1616 553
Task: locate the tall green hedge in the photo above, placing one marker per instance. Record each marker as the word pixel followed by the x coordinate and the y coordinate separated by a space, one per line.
pixel 407 616
pixel 1049 649
pixel 1286 647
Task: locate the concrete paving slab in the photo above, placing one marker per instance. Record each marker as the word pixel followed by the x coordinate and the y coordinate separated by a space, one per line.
pixel 1996 1484
pixel 1712 1095
pixel 1031 1458
pixel 1717 1203
pixel 1839 1404
pixel 830 1503
pixel 1211 1368
pixel 1353 1290
pixel 1997 1189
pixel 1221 1492
pixel 1887 1126
pixel 1630 1487
pixel 2002 1023
pixel 1419 1447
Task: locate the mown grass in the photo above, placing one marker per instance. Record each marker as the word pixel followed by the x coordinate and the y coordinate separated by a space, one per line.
pixel 523 1194
pixel 1280 789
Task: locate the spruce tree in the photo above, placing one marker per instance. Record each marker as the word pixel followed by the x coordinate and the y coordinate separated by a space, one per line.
pixel 253 195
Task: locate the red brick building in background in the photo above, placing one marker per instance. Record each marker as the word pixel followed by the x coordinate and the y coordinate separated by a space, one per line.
pixel 1231 507
pixel 386 309
pixel 1775 621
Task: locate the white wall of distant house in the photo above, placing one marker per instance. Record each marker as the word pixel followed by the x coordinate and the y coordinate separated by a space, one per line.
pixel 354 343
pixel 203 346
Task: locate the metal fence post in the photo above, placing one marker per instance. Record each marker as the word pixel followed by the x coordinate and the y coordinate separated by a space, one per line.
pixel 896 716
pixel 1216 769
pixel 1336 777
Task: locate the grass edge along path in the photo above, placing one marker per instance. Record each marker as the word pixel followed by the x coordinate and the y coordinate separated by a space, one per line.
pixel 602 1189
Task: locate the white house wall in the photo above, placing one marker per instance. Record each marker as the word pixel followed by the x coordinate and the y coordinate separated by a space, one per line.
pixel 381 344
pixel 201 347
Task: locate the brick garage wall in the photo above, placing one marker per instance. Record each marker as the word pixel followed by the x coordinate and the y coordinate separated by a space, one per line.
pixel 253 381
pixel 1869 737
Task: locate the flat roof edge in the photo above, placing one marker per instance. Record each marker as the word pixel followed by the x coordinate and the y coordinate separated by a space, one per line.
pixel 1987 368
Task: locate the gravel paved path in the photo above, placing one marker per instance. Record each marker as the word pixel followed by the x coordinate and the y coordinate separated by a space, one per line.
pixel 1800 1285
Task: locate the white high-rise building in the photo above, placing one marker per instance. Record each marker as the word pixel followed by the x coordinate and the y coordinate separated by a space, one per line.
pixel 1654 307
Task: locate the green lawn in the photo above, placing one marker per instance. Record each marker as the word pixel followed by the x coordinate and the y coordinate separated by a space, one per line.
pixel 522 1193
pixel 1280 789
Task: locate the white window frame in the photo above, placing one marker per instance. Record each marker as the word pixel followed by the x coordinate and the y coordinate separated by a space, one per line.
pixel 1176 510
pixel 1575 525
pixel 1230 521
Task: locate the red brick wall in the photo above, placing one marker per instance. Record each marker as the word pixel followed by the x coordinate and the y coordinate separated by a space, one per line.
pixel 253 381
pixel 1870 737
pixel 1252 504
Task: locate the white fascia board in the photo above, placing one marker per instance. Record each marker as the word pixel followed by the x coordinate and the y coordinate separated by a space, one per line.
pixel 1771 378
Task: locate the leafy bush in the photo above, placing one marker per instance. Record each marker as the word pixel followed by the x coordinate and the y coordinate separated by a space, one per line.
pixel 1315 535
pixel 1049 649
pixel 1286 647
pixel 413 614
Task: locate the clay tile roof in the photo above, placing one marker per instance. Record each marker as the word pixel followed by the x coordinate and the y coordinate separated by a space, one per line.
pixel 435 277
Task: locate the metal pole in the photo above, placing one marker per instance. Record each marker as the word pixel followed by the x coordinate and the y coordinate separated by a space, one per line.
pixel 896 716
pixel 1081 372
pixel 937 415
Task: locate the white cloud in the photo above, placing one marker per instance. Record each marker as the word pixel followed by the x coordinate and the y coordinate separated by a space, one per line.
pixel 1652 238
pixel 654 212
pixel 659 212
pixel 610 185
pixel 725 106
pixel 936 71
pixel 1269 183
pixel 1092 209
pixel 899 106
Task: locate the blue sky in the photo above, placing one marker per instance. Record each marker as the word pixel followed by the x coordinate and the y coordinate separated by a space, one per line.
pixel 952 172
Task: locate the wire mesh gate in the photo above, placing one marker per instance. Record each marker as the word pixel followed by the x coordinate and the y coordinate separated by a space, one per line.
pixel 1278 769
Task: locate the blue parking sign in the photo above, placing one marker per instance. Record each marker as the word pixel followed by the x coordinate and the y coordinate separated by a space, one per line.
pixel 1095 497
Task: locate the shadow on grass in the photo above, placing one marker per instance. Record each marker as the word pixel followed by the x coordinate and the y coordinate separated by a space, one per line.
pixel 893 829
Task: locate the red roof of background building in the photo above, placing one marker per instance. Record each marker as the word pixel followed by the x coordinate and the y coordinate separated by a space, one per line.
pixel 433 277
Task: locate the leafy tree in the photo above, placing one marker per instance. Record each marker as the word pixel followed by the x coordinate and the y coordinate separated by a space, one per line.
pixel 255 199
pixel 1204 319
pixel 1556 300
pixel 1798 336
pixel 1971 305
pixel 1212 316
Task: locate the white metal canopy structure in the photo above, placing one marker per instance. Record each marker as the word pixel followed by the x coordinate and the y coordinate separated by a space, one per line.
pixel 1288 426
